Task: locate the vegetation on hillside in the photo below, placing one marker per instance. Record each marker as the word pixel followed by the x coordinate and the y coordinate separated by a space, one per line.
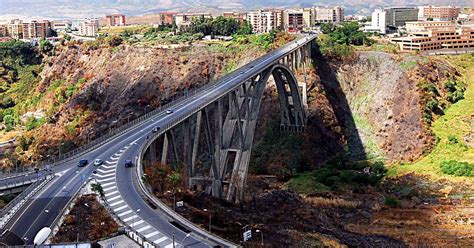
pixel 338 41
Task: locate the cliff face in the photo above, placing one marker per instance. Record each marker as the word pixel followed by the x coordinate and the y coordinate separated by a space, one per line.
pixel 86 89
pixel 380 102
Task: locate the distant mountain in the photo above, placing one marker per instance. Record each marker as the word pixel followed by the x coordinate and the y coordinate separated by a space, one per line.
pixel 58 9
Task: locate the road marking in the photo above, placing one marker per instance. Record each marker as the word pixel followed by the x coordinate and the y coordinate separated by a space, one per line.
pixel 169 246
pixel 107 184
pixel 108 162
pixel 120 208
pixel 160 240
pixel 131 218
pixel 136 223
pixel 113 198
pixel 105 171
pixel 110 188
pixel 108 166
pixel 116 203
pixel 124 213
pixel 144 228
pixel 114 158
pixel 151 234
pixel 106 179
pixel 106 175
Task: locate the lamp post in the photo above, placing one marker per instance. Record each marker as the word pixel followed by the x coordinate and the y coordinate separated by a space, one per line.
pixel 60 145
pixel 185 237
pixel 147 106
pixel 261 234
pixel 210 216
pixel 174 199
pixel 133 223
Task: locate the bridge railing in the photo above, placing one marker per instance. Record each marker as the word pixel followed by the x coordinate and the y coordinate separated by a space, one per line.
pixel 10 209
pixel 115 132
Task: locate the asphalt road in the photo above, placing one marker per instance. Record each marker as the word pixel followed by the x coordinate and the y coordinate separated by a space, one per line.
pixel 118 182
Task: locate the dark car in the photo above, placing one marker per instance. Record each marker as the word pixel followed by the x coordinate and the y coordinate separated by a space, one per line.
pixel 83 162
pixel 156 129
pixel 128 163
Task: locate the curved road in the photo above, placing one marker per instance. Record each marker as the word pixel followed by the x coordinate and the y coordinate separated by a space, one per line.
pixel 119 183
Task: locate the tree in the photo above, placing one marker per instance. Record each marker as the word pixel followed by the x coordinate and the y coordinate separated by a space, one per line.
pixel 245 28
pixel 97 188
pixel 115 41
pixel 45 46
pixel 327 28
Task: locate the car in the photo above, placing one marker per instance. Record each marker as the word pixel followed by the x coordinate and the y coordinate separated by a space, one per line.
pixel 83 162
pixel 98 162
pixel 252 66
pixel 128 163
pixel 242 72
pixel 156 129
pixel 169 111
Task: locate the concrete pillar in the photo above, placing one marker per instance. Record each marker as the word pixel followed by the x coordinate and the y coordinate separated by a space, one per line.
pixel 164 152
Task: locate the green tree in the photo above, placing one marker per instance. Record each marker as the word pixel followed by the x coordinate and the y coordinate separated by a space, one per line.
pixel 97 188
pixel 45 46
pixel 245 28
pixel 327 28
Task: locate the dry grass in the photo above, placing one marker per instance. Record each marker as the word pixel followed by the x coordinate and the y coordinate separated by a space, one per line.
pixel 331 202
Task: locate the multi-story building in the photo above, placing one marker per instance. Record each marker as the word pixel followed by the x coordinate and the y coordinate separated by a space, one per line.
pixel 263 21
pixel 60 26
pixel 293 21
pixel 184 19
pixel 115 20
pixel 378 23
pixel 398 16
pixel 166 18
pixel 3 28
pixel 36 29
pixel 89 27
pixel 412 27
pixel 438 13
pixel 308 17
pixel 15 29
pixel 235 15
pixel 426 36
pixel 328 14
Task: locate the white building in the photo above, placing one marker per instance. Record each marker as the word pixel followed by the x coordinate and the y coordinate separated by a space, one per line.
pixel 379 22
pixel 89 27
pixel 329 14
pixel 263 21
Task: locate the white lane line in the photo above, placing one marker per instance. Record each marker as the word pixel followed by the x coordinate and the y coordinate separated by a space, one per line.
pixel 169 246
pixel 136 223
pixel 123 150
pixel 124 213
pixel 105 171
pixel 131 218
pixel 108 162
pixel 160 240
pixel 110 188
pixel 113 198
pixel 144 228
pixel 114 158
pixel 107 184
pixel 104 175
pixel 106 179
pixel 117 203
pixel 151 234
pixel 108 166
pixel 120 208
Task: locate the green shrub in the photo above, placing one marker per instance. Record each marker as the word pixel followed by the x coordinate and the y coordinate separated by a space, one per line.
pixel 457 168
pixel 392 201
pixel 452 139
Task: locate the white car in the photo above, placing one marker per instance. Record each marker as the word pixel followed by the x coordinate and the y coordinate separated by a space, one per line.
pixel 169 111
pixel 98 162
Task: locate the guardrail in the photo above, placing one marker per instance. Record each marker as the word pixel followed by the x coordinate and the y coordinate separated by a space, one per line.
pixel 10 209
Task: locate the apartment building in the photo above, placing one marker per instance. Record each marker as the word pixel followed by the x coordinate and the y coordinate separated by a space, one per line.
pixel 328 14
pixel 398 16
pixel 235 15
pixel 426 36
pixel 438 13
pixel 263 21
pixel 166 18
pixel 3 28
pixel 293 21
pixel 15 29
pixel 308 17
pixel 184 19
pixel 115 20
pixel 89 27
pixel 412 27
pixel 60 26
pixel 36 29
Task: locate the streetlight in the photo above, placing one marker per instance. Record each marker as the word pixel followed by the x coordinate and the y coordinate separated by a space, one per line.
pixel 205 210
pixel 60 144
pixel 147 106
pixel 261 234
pixel 187 236
pixel 173 241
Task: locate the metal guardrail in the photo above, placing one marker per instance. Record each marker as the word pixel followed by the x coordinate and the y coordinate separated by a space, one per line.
pixel 10 209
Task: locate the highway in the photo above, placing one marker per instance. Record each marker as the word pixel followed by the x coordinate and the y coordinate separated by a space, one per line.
pixel 119 183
